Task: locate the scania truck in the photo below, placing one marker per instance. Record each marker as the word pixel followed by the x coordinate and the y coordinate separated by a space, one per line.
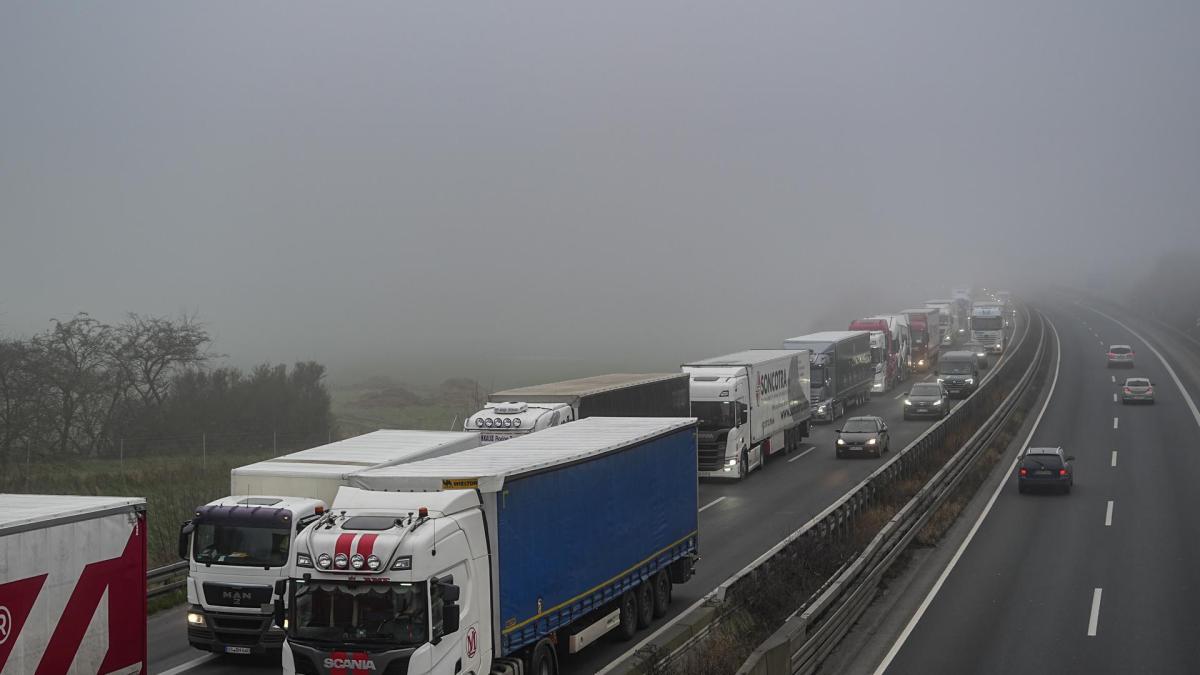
pixel 237 547
pixel 840 371
pixel 926 338
pixel 516 412
pixel 987 325
pixel 502 559
pixel 751 405
pixel 72 584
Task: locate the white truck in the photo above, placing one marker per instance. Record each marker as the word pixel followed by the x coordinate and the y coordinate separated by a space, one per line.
pixel 751 405
pixel 237 546
pixel 520 411
pixel 72 584
pixel 987 325
pixel 947 318
pixel 503 559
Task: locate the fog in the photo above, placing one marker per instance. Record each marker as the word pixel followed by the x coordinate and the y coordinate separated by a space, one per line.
pixel 511 191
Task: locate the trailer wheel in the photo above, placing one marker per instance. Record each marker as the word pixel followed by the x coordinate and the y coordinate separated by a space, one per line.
pixel 543 661
pixel 628 626
pixel 662 594
pixel 645 604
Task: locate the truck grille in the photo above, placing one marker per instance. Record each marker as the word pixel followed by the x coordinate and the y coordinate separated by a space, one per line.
pixel 709 456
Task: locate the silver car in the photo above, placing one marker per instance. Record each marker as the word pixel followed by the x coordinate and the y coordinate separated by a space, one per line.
pixel 1137 390
pixel 1120 356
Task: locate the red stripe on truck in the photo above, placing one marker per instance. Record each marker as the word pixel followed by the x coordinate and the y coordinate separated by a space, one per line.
pixel 366 544
pixel 343 544
pixel 16 599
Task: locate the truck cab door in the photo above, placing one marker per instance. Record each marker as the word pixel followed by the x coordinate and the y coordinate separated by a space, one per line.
pixel 454 620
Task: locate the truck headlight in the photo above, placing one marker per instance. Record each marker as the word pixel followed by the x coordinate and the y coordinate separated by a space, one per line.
pixel 488 423
pixel 324 561
pixel 304 560
pixel 921 362
pixel 341 561
pixel 373 562
pixel 907 402
pixel 820 410
pixel 507 422
pixel 938 402
pixel 517 423
pixel 196 619
pixel 870 441
pixel 404 562
pixel 970 380
pixel 731 462
pixel 479 422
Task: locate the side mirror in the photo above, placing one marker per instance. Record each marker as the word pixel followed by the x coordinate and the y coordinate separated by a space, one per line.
pixel 280 613
pixel 185 538
pixel 450 619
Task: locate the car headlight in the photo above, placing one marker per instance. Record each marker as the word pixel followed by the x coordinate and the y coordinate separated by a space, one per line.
pixel 970 380
pixel 907 402
pixel 871 441
pixel 304 560
pixel 841 442
pixel 941 380
pixel 196 619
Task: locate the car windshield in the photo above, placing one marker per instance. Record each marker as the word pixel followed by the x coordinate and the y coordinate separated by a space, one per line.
pixel 987 323
pixel 859 426
pixel 926 390
pixel 1119 350
pixel 713 414
pixel 1137 383
pixel 376 613
pixel 954 368
pixel 248 546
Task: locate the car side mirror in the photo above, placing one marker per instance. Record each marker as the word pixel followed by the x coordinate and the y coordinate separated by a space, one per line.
pixel 185 538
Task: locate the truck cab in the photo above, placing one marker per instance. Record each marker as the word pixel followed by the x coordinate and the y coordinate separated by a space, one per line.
pixel 237 548
pixel 391 582
pixel 721 402
pixel 987 326
pixel 879 360
pixel 509 419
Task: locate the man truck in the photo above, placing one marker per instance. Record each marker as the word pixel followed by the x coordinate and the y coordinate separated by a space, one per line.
pixel 987 325
pixel 515 412
pixel 500 559
pixel 751 405
pixel 926 337
pixel 72 584
pixel 237 547
pixel 840 371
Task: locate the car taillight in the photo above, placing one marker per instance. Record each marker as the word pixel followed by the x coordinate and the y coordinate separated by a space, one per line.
pixel 1024 471
pixel 1149 390
pixel 1062 472
pixel 1110 355
pixel 1128 390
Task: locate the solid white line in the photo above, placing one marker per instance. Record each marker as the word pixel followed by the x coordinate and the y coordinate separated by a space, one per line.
pixel 937 586
pixel 900 395
pixel 1114 462
pixel 1171 371
pixel 810 449
pixel 1115 421
pixel 184 667
pixel 714 502
pixel 1108 514
pixel 1094 619
pixel 926 378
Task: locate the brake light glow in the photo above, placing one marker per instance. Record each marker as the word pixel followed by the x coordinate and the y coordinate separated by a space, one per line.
pixel 1128 390
pixel 1062 472
pixel 1024 471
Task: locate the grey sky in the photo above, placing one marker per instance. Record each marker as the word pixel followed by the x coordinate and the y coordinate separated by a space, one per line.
pixel 437 189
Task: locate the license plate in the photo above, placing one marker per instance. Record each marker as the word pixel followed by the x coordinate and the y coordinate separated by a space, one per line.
pixel 1041 473
pixel 230 649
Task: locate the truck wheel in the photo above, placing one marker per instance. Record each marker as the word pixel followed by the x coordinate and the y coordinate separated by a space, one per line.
pixel 543 661
pixel 745 463
pixel 645 604
pixel 662 594
pixel 628 626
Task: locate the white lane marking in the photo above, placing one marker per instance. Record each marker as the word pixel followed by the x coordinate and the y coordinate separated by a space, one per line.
pixel 1114 377
pixel 1115 421
pixel 937 586
pixel 1171 371
pixel 1094 619
pixel 1108 514
pixel 184 667
pixel 714 502
pixel 926 378
pixel 810 449
pixel 1114 398
pixel 1114 461
pixel 900 395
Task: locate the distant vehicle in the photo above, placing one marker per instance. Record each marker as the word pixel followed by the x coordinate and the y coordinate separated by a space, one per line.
pixel 516 412
pixel 1120 356
pixel 926 332
pixel 885 350
pixel 840 370
pixel 751 405
pixel 926 399
pixel 1137 390
pixel 72 584
pixel 863 435
pixel 1045 468
pixel 987 325
pixel 948 320
pixel 958 372
pixel 980 354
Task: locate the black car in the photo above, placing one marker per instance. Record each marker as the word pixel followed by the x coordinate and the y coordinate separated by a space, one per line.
pixel 1045 468
pixel 926 399
pixel 863 435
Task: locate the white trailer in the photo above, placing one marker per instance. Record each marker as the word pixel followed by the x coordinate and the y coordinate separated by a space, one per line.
pixel 237 546
pixel 751 405
pixel 72 584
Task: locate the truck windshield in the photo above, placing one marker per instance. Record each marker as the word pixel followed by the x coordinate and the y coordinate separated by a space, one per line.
pixel 391 615
pixel 954 368
pixel 987 323
pixel 714 414
pixel 245 545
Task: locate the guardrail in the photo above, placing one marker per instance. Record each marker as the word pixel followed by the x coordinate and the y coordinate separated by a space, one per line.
pixel 961 427
pixel 812 633
pixel 165 579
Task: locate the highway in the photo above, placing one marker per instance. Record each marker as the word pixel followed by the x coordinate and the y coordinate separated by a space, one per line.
pixel 738 522
pixel 1103 579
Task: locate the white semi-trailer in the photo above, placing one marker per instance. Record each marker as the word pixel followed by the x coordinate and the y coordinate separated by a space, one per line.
pixel 515 412
pixel 237 547
pixel 72 584
pixel 751 405
pixel 502 559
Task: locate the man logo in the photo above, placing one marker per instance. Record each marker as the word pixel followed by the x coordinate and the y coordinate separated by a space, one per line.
pixel 5 624
pixel 472 642
pixel 236 597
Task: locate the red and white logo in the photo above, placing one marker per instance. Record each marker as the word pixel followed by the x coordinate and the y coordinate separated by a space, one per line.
pixel 472 642
pixel 5 623
pixel 349 663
